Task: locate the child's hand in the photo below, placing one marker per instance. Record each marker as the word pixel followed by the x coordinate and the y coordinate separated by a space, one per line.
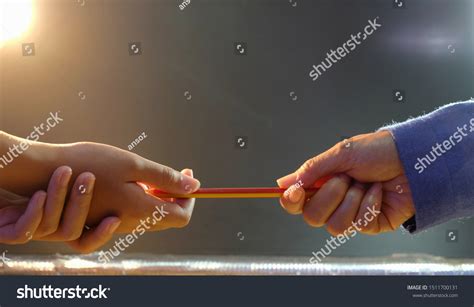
pixel 48 216
pixel 368 174
pixel 117 193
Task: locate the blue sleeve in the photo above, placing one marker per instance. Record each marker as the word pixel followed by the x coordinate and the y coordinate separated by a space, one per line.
pixel 437 153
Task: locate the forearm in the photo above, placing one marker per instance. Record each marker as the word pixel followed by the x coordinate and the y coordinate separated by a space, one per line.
pixel 25 166
pixel 437 151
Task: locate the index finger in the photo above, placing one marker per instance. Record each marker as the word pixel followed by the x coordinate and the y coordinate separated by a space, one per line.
pixel 318 168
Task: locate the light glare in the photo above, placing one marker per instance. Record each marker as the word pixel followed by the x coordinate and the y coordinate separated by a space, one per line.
pixel 15 18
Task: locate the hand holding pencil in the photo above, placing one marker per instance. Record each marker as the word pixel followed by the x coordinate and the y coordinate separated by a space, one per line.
pixel 337 187
pixel 367 174
pixel 238 192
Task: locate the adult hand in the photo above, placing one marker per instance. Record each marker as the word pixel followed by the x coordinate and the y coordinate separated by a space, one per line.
pixel 367 177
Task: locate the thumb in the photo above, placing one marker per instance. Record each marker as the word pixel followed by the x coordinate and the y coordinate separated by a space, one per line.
pixel 167 179
pixel 330 162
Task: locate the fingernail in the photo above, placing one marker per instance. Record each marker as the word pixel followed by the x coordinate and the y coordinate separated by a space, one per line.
pixel 113 227
pixel 189 183
pixel 296 195
pixel 191 172
pixel 66 176
pixel 286 181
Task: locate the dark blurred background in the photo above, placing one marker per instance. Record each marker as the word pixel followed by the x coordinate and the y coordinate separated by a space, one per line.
pixel 194 96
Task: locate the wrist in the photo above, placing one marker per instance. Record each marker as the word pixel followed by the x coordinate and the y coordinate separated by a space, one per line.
pixel 26 166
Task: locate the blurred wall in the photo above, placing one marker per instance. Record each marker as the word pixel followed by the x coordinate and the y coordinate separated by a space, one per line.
pixel 82 67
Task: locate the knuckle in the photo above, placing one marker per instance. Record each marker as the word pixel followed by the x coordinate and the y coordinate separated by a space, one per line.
pixel 308 165
pixel 340 149
pixel 345 150
pixel 134 164
pixel 169 177
pixel 344 144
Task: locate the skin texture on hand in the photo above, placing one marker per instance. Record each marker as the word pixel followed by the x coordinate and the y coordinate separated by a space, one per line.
pixel 116 192
pixel 52 216
pixel 367 174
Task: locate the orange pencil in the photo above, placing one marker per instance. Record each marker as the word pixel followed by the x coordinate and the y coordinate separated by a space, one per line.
pixel 230 193
pixel 237 192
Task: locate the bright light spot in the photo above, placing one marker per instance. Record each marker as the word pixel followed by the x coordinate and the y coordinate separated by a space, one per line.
pixel 15 18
